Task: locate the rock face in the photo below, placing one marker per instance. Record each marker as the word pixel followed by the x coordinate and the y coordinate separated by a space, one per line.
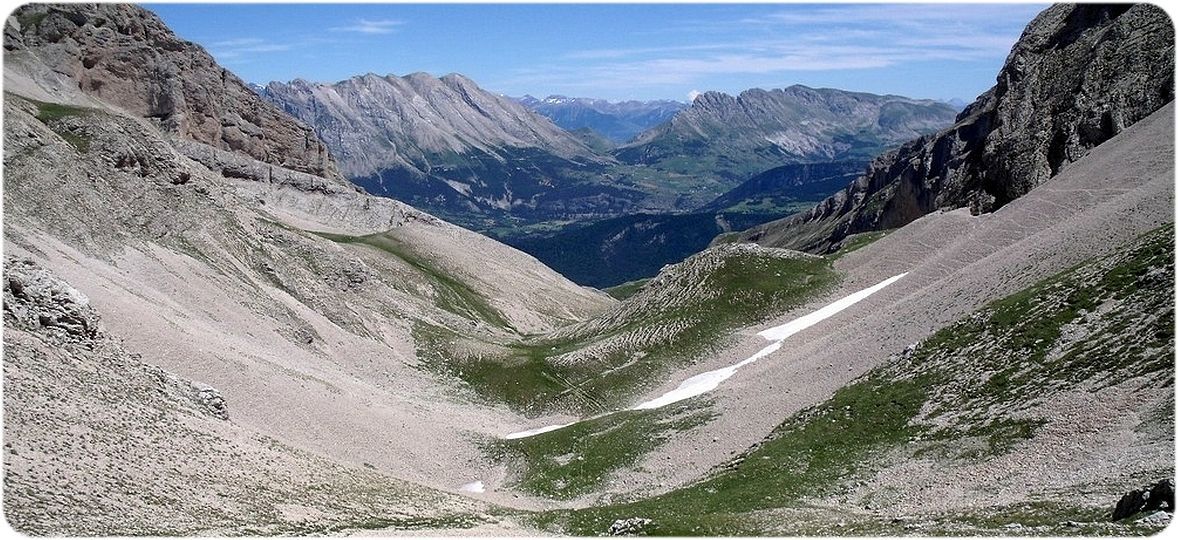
pixel 629 526
pixel 125 56
pixel 1080 74
pixel 760 129
pixel 619 122
pixel 373 123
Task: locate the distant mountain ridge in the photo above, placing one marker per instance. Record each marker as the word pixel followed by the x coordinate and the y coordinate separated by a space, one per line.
pixel 444 144
pixel 487 161
pixel 373 122
pixel 617 121
pixel 726 139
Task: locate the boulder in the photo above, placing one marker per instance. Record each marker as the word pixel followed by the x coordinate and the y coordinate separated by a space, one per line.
pixel 36 299
pixel 629 526
pixel 1159 496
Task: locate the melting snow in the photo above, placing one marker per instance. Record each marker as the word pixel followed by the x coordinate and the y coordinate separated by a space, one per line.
pixel 473 487
pixel 709 380
pixel 537 431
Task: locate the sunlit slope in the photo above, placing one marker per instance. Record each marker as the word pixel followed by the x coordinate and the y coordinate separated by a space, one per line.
pixel 962 433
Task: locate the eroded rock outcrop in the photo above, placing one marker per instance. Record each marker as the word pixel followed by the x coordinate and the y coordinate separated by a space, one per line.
pixel 35 299
pixel 125 56
pixel 1159 496
pixel 38 302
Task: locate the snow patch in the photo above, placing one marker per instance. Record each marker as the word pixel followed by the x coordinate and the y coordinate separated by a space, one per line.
pixel 709 380
pixel 778 333
pixel 537 431
pixel 473 487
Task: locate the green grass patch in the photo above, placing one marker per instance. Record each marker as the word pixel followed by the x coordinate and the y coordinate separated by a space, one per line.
pixel 48 112
pixel 807 455
pixel 857 242
pixel 660 331
pixel 627 289
pixel 657 332
pixel 80 142
pixel 578 459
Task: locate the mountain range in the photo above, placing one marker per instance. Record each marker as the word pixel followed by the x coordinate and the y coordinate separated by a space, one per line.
pixel 210 331
pixel 617 121
pixel 487 161
pixel 723 140
pixel 446 145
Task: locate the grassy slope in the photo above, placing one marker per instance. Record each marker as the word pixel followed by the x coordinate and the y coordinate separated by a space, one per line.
pixel 51 113
pixel 632 351
pixel 579 459
pixel 627 289
pixel 450 294
pixel 817 451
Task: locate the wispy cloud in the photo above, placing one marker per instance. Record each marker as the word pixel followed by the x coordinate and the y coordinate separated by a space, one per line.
pixel 852 37
pixel 239 48
pixel 366 26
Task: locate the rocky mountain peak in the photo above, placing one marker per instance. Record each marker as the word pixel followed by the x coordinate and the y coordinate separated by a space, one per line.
pixel 420 115
pixel 123 55
pixel 712 99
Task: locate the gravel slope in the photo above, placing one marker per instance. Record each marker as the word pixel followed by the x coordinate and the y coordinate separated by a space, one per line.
pixel 956 263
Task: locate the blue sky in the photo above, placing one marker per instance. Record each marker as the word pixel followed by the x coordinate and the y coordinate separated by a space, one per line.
pixel 618 51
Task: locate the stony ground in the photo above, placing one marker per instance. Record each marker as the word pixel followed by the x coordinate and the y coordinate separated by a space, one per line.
pixel 99 442
pixel 198 342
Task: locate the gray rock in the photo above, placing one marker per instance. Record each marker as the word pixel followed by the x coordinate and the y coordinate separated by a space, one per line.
pixel 212 401
pixel 761 129
pixel 36 299
pixel 629 526
pixel 1160 517
pixel 446 145
pixel 1157 496
pixel 374 123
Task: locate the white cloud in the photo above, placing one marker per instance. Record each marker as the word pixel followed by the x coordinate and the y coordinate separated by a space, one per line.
pixel 850 37
pixel 240 48
pixel 692 95
pixel 366 26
